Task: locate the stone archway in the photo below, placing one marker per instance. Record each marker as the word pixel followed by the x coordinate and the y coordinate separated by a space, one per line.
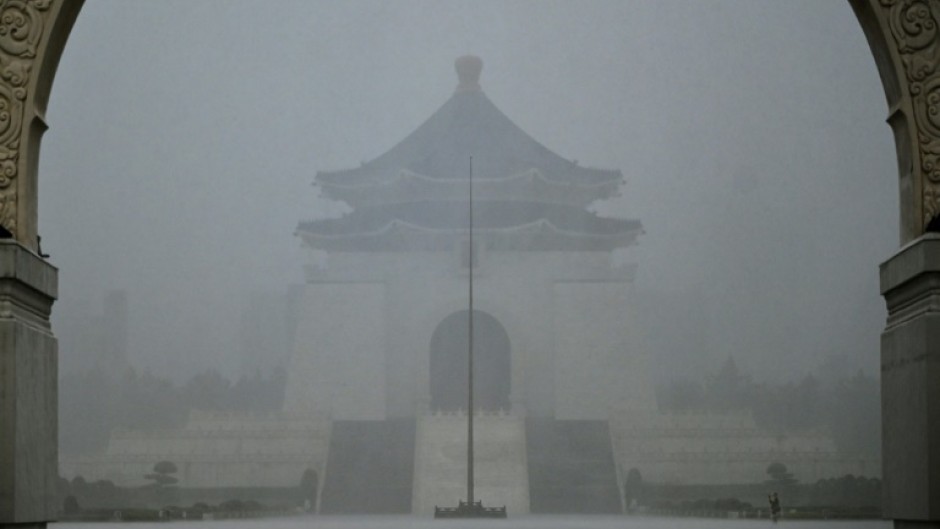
pixel 904 36
pixel 448 363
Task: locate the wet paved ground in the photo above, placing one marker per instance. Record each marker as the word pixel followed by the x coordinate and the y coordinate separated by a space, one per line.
pixel 528 522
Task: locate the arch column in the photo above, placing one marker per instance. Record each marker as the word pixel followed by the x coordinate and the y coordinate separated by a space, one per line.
pixel 32 36
pixel 28 388
pixel 904 37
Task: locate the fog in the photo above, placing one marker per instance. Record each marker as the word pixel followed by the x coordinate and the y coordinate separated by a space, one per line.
pixel 185 136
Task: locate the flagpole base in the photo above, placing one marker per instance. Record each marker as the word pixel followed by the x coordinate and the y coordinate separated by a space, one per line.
pixel 466 510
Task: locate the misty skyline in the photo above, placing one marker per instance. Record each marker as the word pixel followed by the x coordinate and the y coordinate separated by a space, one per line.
pixel 184 137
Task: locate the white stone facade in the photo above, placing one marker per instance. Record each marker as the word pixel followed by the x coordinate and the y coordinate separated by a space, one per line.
pixel 363 347
pixel 213 450
pixel 722 449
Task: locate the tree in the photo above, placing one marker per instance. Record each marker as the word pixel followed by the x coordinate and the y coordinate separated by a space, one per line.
pixel 70 506
pixel 854 413
pixel 633 487
pixel 79 484
pixel 680 395
pixel 161 474
pixel 847 491
pixel 779 475
pixel 209 391
pixel 729 390
pixel 308 489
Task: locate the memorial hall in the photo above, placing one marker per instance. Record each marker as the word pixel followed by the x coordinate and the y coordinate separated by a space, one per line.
pixel 375 402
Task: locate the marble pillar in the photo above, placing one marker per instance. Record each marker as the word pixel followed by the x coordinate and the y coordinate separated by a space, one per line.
pixel 28 388
pixel 910 384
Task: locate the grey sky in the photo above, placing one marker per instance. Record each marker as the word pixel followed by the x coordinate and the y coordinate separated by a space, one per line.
pixel 185 136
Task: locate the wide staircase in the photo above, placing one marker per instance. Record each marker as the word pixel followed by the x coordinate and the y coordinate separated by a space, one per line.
pixel 369 468
pixel 571 467
pixel 440 464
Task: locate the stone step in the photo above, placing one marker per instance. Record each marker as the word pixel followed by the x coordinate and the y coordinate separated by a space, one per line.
pixel 571 467
pixel 440 476
pixel 369 468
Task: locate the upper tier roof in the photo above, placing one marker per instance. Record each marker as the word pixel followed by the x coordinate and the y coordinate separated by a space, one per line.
pixel 415 195
pixel 468 124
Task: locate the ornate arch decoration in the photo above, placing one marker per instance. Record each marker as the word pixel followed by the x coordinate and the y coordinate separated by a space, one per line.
pixel 32 36
pixel 904 37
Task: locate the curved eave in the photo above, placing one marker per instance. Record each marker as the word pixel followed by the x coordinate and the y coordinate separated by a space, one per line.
pixel 541 235
pixel 372 178
pixel 409 186
pixel 468 124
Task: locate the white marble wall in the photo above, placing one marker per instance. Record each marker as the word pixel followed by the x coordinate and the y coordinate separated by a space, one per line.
pixel 723 449
pixel 28 387
pixel 368 320
pixel 214 450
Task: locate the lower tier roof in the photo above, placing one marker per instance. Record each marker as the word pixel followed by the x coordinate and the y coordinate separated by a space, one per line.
pixel 499 224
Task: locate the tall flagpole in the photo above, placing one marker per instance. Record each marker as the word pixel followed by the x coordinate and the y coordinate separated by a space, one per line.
pixel 470 354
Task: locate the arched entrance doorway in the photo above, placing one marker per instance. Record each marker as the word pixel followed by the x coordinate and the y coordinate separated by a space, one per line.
pixel 448 366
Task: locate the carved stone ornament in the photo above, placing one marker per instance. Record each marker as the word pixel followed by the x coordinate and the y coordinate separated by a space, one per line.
pixel 916 32
pixel 22 23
